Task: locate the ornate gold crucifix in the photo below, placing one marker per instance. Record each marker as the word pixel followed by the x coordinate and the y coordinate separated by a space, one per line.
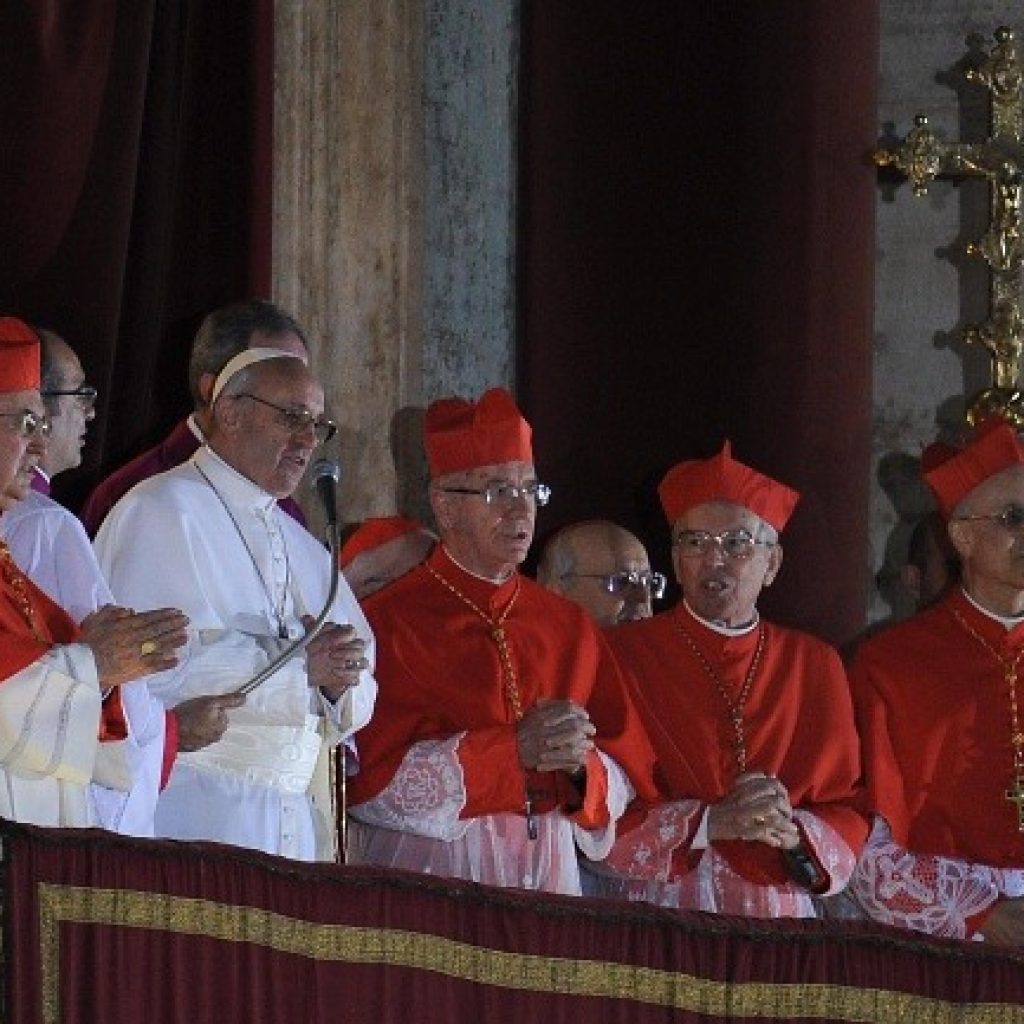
pixel 999 160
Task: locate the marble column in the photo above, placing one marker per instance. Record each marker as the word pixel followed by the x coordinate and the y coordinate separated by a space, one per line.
pixel 393 217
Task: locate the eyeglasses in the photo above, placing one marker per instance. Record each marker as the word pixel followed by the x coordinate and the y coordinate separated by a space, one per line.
pixel 85 393
pixel 298 421
pixel 734 544
pixel 1010 519
pixel 503 492
pixel 619 582
pixel 28 423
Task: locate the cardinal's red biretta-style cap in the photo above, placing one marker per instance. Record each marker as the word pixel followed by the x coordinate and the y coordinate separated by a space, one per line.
pixel 19 356
pixel 723 478
pixel 461 435
pixel 373 533
pixel 994 447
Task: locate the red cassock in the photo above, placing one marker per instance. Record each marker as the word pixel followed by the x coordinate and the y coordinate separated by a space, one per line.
pixel 797 723
pixel 21 646
pixel 933 707
pixel 439 674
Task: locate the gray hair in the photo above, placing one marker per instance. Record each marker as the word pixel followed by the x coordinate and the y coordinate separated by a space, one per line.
pixel 228 331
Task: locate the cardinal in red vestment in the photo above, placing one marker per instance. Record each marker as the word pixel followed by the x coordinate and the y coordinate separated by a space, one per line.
pixel 502 736
pixel 940 707
pixel 752 723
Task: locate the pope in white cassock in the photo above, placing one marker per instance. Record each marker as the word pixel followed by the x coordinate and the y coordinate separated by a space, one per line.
pixel 207 537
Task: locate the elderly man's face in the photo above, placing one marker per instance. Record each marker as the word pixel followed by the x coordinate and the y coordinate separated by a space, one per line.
pixel 69 415
pixel 603 555
pixel 716 586
pixel 489 539
pixel 19 455
pixel 258 439
pixel 992 551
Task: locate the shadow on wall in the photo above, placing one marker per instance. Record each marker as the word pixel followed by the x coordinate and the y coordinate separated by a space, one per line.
pixel 411 473
pixel 899 476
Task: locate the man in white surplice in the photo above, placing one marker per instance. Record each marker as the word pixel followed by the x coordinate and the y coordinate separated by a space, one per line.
pixel 52 548
pixel 62 708
pixel 208 537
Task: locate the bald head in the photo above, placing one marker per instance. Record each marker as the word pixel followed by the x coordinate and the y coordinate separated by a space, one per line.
pixel 589 563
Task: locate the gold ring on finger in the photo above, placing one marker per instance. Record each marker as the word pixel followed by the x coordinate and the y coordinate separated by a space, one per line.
pixel 147 648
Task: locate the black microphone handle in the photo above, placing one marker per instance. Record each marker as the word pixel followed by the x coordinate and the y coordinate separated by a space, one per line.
pixel 328 491
pixel 803 869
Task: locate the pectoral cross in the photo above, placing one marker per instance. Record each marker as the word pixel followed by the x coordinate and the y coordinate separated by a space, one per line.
pixel 1000 161
pixel 1015 794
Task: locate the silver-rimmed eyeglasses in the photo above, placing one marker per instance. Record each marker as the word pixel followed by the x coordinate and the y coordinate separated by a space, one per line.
pixel 1010 519
pixel 298 421
pixel 503 493
pixel 619 582
pixel 28 423
pixel 737 544
pixel 85 393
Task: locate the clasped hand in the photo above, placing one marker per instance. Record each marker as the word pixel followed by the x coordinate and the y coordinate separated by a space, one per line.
pixel 127 644
pixel 335 658
pixel 758 810
pixel 555 735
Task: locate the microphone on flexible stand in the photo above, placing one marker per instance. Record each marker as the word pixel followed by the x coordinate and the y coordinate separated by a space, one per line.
pixel 325 479
pixel 326 474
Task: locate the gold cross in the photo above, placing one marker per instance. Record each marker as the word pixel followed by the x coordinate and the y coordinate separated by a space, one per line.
pixel 998 160
pixel 1015 794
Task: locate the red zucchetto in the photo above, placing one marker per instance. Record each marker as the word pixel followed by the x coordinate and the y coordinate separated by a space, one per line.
pixel 994 447
pixel 19 356
pixel 373 533
pixel 461 435
pixel 722 478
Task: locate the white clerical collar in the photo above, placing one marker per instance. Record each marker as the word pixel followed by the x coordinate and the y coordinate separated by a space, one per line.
pixel 39 471
pixel 1007 621
pixel 717 626
pixel 197 431
pixel 476 575
pixel 233 487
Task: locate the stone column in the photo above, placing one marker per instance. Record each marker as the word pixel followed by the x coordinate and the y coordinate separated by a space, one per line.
pixel 393 217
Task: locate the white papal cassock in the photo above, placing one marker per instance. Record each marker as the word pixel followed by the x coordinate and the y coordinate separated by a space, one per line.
pixel 203 538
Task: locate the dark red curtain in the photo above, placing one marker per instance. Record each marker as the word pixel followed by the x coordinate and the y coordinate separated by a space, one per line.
pixel 101 928
pixel 134 188
pixel 696 263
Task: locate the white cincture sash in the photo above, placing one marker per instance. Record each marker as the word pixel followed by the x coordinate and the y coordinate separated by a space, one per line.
pixel 280 756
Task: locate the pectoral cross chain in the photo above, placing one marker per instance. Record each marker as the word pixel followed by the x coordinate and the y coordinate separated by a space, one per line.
pixel 1015 794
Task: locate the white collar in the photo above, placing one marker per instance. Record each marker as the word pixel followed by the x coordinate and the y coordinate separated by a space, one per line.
pixel 476 575
pixel 1007 621
pixel 237 490
pixel 720 627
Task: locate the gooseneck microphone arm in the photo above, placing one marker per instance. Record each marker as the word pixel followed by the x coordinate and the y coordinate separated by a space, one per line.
pixel 325 480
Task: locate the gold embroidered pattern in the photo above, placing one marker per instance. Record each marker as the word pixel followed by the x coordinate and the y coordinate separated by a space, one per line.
pixel 550 975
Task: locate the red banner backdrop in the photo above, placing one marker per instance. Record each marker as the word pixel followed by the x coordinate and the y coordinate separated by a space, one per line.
pixel 98 928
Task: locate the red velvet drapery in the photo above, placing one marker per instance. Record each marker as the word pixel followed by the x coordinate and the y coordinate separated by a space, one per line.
pixel 100 928
pixel 696 240
pixel 134 187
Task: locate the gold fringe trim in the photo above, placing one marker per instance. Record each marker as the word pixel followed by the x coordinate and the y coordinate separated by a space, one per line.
pixel 550 975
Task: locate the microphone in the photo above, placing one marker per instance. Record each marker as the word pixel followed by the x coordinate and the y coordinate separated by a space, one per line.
pixel 804 870
pixel 326 473
pixel 325 480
